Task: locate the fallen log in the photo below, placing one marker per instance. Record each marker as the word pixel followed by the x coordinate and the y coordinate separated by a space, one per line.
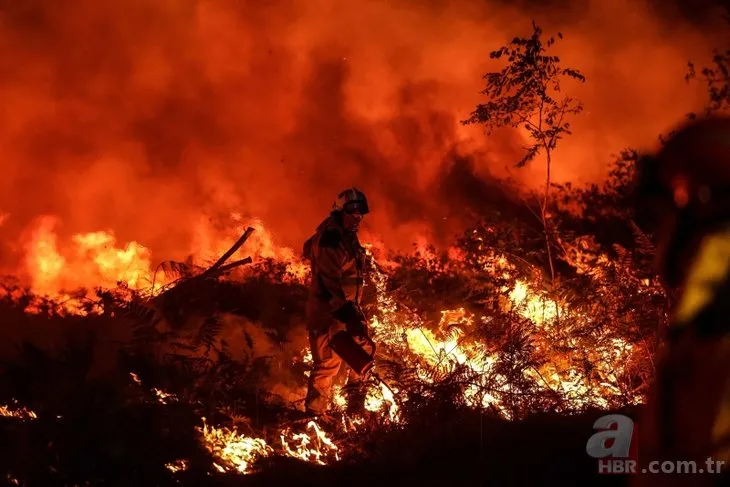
pixel 228 254
pixel 215 270
pixel 229 267
pixel 170 305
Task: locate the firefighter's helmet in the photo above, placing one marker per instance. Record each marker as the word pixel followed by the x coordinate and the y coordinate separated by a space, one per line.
pixel 351 200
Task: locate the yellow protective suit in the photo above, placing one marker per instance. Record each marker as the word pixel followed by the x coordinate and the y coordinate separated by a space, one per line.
pixel 337 264
pixel 688 412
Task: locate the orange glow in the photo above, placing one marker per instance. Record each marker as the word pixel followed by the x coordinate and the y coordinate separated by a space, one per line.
pixel 269 111
pixel 194 120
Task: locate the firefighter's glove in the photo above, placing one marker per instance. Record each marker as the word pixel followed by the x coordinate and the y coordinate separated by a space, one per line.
pixel 353 318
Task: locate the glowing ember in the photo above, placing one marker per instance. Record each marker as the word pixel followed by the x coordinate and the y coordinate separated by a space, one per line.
pixel 177 466
pixel 307 360
pixel 378 398
pixel 314 447
pixel 533 307
pixel 17 412
pixel 338 396
pixel 164 397
pixel 235 452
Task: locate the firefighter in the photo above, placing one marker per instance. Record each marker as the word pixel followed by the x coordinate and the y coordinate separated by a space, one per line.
pixel 337 263
pixel 684 200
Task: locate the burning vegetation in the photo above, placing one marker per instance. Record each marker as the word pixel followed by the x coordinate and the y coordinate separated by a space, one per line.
pixel 217 347
pixel 541 314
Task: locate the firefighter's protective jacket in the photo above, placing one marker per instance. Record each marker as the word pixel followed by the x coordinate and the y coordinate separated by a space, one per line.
pixel 337 263
pixel 688 412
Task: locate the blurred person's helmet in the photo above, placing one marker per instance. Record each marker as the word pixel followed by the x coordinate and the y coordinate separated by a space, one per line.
pixel 683 191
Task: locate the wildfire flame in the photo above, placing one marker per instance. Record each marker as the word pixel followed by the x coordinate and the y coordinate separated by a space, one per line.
pixel 541 311
pixel 382 398
pixel 19 412
pixel 235 452
pixel 67 273
pixel 312 447
pixel 177 466
pixel 94 260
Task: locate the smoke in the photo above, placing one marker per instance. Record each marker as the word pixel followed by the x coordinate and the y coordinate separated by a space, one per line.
pixel 140 116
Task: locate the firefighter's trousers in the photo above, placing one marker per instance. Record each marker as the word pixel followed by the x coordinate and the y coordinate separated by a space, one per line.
pixel 326 363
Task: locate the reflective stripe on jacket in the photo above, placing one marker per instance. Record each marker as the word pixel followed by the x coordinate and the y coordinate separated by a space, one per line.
pixel 687 416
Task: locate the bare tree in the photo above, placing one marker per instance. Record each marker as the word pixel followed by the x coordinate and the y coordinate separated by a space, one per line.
pixel 526 93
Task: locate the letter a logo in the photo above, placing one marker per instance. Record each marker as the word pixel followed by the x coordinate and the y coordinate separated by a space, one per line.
pixel 616 427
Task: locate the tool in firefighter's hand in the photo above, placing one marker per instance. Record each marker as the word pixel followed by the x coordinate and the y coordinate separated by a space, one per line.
pixel 353 318
pixel 345 346
pixel 351 353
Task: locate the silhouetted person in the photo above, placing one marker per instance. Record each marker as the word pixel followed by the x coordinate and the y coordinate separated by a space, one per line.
pixel 684 199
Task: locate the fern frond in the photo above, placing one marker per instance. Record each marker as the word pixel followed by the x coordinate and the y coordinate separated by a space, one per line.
pixel 208 332
pixel 175 270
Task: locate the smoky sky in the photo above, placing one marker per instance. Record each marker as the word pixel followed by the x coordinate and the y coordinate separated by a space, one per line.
pixel 141 116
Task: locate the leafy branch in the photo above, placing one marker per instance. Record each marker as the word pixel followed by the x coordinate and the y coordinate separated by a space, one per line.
pixel 525 94
pixel 717 80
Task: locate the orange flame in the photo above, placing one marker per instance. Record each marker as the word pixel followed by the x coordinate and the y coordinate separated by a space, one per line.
pixel 93 259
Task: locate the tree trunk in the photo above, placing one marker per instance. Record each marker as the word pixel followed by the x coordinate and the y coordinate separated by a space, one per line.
pixel 545 223
pixel 546 227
